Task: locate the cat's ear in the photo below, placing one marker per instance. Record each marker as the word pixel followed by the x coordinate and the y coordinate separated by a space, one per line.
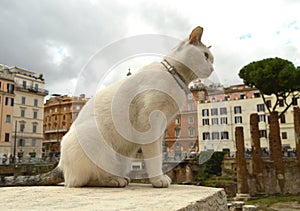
pixel 195 36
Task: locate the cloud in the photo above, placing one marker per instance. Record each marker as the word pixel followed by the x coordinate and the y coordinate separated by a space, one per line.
pixel 57 38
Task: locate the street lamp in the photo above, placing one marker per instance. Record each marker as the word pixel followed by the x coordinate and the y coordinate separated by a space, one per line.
pixel 15 143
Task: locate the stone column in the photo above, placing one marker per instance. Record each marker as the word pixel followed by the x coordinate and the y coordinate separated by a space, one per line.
pixel 276 149
pixel 242 173
pixel 297 132
pixel 257 162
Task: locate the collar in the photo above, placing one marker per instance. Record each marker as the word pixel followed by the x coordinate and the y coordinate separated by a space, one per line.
pixel 175 75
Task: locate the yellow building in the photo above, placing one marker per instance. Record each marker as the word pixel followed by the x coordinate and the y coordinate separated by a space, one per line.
pixel 27 104
pixel 221 110
pixel 7 95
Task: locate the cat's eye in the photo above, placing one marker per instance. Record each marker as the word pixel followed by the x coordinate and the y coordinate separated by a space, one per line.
pixel 206 55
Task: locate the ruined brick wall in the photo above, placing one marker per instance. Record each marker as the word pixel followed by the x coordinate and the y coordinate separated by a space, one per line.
pixel 292 176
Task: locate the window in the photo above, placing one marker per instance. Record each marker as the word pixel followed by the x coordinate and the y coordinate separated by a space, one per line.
pixel 36 87
pixel 35 103
pixel 65 108
pixel 214 111
pixel 238 120
pixel 77 107
pixel 9 101
pixel 262 118
pixel 224 135
pixel 6 137
pixel 22 127
pixel 23 113
pixel 191 120
pixel 269 104
pixel 190 96
pixel 294 101
pixel 177 132
pixel 21 142
pixel 191 132
pixel 206 136
pixel 24 84
pixel 284 135
pixel 34 128
pixel 23 100
pixel 33 143
pixel 223 120
pixel 223 111
pixel 64 117
pixel 205 112
pixel 35 113
pixel 281 103
pixel 260 107
pixel 215 135
pixel 214 121
pixel 177 121
pixel 256 95
pixel 237 109
pixel 282 119
pixel 10 88
pixel 8 118
pixel 262 134
pixel 190 106
pixel 205 121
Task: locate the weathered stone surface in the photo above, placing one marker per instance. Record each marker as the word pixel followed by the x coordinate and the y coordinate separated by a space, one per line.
pixel 297 131
pixel 133 197
pixel 241 168
pixel 257 162
pixel 276 149
pixel 249 208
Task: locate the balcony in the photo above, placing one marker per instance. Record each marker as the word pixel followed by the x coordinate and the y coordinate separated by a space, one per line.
pixel 56 131
pixel 32 89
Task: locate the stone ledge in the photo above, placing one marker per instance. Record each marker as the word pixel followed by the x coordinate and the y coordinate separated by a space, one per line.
pixel 133 197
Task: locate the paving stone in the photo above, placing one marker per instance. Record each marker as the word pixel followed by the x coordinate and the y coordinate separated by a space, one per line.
pixel 133 197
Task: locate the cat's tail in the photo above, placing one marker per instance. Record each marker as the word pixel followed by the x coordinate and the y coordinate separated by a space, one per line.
pixel 53 177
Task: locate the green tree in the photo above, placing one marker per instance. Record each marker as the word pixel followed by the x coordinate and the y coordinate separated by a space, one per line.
pixel 279 77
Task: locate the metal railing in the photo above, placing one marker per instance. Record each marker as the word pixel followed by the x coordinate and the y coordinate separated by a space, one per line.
pixel 32 89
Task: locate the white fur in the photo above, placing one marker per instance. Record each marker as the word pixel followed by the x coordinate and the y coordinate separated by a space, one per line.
pixel 80 160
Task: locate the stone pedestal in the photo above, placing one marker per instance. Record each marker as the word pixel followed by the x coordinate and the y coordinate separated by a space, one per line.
pixel 249 208
pixel 133 197
pixel 242 196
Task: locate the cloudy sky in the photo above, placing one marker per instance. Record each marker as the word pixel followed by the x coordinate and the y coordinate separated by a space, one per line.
pixel 59 38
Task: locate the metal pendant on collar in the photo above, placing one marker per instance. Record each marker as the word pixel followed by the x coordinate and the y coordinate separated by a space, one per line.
pixel 175 75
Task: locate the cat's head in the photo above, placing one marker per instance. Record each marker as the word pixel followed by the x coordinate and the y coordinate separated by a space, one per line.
pixel 193 54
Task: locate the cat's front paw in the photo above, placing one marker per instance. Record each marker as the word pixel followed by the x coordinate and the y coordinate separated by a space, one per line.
pixel 162 181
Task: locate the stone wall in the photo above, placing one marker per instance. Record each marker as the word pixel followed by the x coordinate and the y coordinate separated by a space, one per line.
pixel 25 169
pixel 292 176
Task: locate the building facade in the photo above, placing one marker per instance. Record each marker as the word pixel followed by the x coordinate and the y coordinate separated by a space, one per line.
pixel 7 95
pixel 220 110
pixel 23 111
pixel 60 112
pixel 181 135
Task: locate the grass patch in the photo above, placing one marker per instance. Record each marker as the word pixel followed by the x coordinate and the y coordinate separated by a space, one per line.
pixel 215 182
pixel 266 202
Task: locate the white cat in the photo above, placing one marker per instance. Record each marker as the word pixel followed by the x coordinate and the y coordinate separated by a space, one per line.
pixel 129 115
